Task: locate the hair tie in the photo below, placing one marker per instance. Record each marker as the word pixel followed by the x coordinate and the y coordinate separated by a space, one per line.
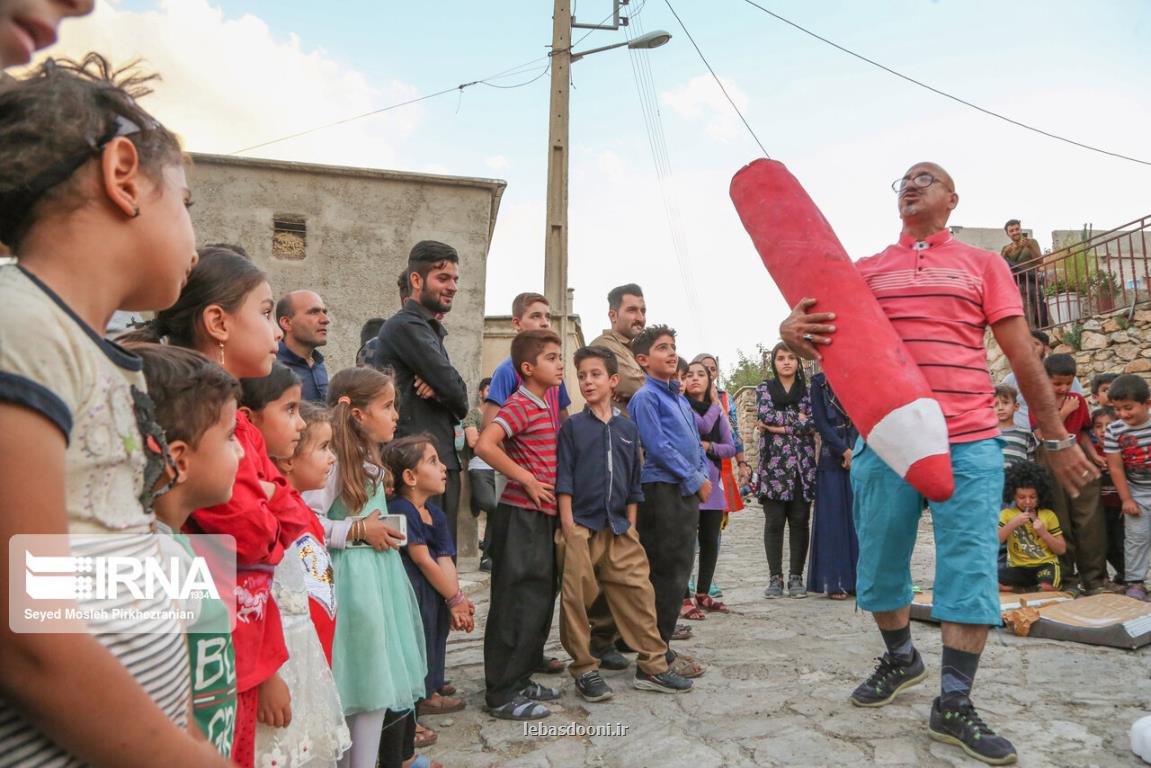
pixel 344 399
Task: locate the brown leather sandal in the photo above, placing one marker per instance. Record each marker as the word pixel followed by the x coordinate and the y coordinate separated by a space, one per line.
pixel 710 604
pixel 690 612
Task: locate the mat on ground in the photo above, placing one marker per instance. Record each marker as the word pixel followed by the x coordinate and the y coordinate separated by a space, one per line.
pixel 1116 621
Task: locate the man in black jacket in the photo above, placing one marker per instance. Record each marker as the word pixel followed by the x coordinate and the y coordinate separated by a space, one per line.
pixel 432 397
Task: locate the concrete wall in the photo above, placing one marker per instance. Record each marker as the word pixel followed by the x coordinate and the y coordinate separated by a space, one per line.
pixel 498 335
pixel 988 238
pixel 360 226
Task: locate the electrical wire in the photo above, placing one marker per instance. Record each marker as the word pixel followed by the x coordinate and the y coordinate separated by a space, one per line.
pixel 543 72
pixel 935 90
pixel 657 141
pixel 716 78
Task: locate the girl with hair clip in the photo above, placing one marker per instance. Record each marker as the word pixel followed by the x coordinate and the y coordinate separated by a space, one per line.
pixel 420 475
pixel 715 438
pixel 378 655
pixel 225 313
pixel 93 205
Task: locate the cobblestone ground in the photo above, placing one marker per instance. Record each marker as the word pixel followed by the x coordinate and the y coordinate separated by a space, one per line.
pixel 775 693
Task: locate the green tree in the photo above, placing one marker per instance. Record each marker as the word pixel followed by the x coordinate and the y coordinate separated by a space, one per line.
pixel 748 371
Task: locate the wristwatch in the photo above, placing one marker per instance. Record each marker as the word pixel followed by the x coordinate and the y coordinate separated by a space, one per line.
pixel 1058 445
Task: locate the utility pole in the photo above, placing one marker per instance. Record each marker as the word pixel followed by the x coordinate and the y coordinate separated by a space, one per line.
pixel 556 244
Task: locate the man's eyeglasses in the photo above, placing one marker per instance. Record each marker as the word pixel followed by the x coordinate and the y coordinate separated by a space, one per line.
pixel 920 180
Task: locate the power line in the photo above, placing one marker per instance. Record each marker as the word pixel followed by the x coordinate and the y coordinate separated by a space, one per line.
pixel 459 87
pixel 935 90
pixel 716 78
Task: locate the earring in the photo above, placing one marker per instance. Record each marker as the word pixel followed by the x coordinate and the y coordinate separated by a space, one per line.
pixel 136 212
pixel 221 354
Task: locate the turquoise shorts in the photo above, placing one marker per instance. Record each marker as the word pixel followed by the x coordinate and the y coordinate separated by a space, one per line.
pixel 886 511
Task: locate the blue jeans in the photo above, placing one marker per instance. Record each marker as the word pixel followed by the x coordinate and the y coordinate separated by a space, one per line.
pixel 886 511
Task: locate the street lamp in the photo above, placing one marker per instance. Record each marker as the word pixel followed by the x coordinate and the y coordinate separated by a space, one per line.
pixel 556 242
pixel 650 40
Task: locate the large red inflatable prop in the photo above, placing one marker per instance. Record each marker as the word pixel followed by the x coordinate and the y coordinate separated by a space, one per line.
pixel 867 364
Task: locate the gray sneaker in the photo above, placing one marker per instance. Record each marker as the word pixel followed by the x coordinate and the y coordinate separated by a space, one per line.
pixel 774 588
pixel 795 587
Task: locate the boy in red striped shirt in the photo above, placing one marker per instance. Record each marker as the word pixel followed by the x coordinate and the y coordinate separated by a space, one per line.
pixel 520 443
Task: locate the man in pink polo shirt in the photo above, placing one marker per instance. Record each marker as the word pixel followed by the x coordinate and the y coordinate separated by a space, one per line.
pixel 941 295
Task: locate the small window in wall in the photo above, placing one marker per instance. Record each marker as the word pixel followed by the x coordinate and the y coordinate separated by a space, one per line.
pixel 289 236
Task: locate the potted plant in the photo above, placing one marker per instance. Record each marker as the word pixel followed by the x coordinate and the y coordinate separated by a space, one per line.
pixel 1103 287
pixel 1062 299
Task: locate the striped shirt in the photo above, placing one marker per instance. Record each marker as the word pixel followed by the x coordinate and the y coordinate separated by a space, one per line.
pixel 1019 445
pixel 1134 444
pixel 53 364
pixel 531 428
pixel 940 295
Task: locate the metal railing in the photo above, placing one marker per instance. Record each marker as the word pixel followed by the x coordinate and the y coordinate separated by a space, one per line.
pixel 1098 274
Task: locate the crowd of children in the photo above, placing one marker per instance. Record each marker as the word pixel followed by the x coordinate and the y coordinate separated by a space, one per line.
pixel 1052 541
pixel 346 585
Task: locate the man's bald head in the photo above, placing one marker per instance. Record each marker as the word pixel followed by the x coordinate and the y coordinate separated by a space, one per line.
pixel 926 196
pixel 303 318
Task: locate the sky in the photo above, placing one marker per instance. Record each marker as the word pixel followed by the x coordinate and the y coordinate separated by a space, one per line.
pixel 242 73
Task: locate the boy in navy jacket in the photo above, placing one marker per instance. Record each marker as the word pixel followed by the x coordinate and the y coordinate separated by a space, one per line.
pixel 598 490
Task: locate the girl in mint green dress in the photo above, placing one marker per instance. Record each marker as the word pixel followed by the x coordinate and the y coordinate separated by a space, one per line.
pixel 378 655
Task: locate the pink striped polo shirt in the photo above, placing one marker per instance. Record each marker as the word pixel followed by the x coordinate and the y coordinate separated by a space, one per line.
pixel 941 294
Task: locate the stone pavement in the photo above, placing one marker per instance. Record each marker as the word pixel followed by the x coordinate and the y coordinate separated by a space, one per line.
pixel 775 693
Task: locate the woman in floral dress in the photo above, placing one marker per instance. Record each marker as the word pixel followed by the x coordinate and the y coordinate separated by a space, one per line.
pixel 786 469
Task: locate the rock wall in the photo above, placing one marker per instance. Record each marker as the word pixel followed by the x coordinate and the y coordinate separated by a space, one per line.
pixel 1103 344
pixel 746 421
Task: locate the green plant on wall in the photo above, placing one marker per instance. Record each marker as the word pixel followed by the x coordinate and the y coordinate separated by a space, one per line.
pixel 1076 272
pixel 1073 336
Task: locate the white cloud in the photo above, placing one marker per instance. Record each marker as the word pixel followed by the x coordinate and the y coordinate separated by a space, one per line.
pixel 229 82
pixel 496 162
pixel 701 98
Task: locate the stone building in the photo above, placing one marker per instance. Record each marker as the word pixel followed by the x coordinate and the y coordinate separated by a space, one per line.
pixel 346 233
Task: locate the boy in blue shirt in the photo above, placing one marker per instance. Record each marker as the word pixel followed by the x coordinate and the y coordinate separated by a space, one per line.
pixel 598 489
pixel 674 479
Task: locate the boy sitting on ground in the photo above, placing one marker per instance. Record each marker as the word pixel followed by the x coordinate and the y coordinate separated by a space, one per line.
pixel 1030 530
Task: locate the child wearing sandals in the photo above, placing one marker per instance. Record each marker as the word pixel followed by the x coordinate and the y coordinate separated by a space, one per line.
pixel 315 732
pixel 427 554
pixel 92 203
pixel 378 655
pixel 716 441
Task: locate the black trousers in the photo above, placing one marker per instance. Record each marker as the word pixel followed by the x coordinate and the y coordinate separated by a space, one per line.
pixel 397 739
pixel 796 514
pixel 1113 516
pixel 710 521
pixel 483 482
pixel 449 502
pixel 666 523
pixel 523 596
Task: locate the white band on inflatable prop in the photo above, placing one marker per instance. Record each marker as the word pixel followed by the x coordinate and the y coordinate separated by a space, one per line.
pixel 867 364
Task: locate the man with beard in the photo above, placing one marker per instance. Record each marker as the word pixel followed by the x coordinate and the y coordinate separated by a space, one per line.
pixel 1023 254
pixel 628 315
pixel 430 394
pixel 304 320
